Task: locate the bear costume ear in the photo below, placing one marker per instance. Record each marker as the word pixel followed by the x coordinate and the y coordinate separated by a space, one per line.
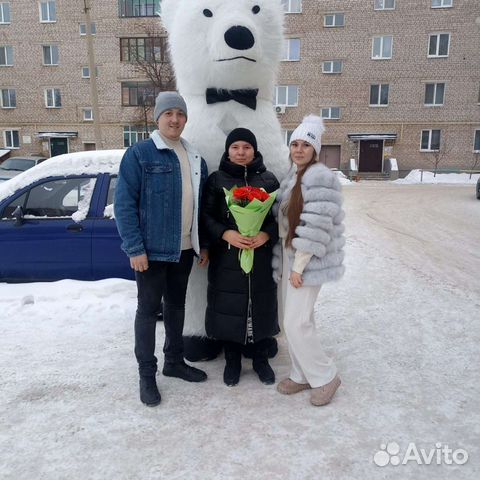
pixel 168 11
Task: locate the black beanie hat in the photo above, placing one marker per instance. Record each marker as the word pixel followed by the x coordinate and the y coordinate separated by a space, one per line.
pixel 243 135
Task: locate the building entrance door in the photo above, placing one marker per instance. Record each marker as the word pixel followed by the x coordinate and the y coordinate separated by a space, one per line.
pixel 58 146
pixel 330 156
pixel 371 152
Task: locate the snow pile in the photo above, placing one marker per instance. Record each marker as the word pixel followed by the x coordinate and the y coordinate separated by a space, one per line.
pixel 415 176
pixel 84 203
pixel 79 163
pixel 342 177
pixel 109 212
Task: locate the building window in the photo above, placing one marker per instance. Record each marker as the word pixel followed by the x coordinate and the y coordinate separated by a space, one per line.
pixel 292 6
pixel 286 95
pixel 48 12
pixel 53 99
pixel 87 115
pixel 8 98
pixel 50 55
pixel 11 138
pixel 442 3
pixel 332 66
pixel 384 5
pixel 83 29
pixel 133 134
pixel 86 72
pixel 6 56
pixel 139 8
pixel 379 95
pixel 434 93
pixel 137 94
pixel 4 12
pixel 148 49
pixel 89 146
pixel 476 142
pixel 291 50
pixel 334 20
pixel 439 45
pixel 330 113
pixel 430 140
pixel 287 134
pixel 382 47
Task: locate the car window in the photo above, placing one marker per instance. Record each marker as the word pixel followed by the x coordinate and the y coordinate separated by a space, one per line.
pixel 108 212
pixel 18 164
pixel 18 202
pixel 57 198
pixel 111 190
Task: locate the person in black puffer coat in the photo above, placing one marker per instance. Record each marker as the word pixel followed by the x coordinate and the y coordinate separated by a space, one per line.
pixel 230 291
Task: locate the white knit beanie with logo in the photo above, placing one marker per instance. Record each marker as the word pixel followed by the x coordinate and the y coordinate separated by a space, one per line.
pixel 310 130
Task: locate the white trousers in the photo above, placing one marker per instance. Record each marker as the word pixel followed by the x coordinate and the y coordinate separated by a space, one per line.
pixel 310 364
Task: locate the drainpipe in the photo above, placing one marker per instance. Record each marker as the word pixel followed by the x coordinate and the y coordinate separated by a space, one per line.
pixel 93 79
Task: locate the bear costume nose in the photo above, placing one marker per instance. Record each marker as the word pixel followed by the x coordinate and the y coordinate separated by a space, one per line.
pixel 239 38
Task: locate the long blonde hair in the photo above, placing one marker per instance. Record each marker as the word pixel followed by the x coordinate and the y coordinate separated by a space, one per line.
pixel 295 204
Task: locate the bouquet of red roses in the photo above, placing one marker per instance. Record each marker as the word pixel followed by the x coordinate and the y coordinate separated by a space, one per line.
pixel 244 195
pixel 249 207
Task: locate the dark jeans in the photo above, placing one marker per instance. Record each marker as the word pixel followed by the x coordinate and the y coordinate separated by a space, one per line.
pixel 168 280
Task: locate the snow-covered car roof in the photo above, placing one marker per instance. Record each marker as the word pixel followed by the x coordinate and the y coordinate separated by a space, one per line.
pixel 79 163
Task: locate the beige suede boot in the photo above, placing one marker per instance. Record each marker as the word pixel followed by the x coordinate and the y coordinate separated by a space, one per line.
pixel 324 394
pixel 289 387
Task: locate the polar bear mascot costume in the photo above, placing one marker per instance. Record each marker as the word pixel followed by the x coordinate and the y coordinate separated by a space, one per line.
pixel 225 54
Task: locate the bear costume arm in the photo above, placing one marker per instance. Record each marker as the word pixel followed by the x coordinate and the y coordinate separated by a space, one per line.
pixel 202 233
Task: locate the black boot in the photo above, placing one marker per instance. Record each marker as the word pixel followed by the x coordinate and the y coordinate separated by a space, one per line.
pixel 261 365
pixel 264 371
pixel 184 371
pixel 269 343
pixel 233 365
pixel 149 394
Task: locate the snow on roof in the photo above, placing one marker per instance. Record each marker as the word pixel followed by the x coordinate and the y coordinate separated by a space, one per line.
pixel 79 163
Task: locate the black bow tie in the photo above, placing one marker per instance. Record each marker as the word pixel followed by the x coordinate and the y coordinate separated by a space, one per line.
pixel 245 97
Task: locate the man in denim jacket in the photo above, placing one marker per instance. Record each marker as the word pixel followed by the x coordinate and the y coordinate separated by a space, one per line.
pixel 157 204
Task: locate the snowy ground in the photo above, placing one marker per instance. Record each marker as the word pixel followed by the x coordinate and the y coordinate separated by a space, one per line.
pixel 403 325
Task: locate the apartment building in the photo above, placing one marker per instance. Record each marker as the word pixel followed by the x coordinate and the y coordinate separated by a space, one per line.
pixel 393 79
pixel 44 73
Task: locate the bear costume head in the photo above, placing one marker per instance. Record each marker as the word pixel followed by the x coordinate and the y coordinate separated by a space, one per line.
pixel 229 44
pixel 225 54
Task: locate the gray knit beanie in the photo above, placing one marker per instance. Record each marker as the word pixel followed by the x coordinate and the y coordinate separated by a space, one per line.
pixel 166 101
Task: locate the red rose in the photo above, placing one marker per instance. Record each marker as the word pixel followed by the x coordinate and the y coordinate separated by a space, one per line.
pixel 245 195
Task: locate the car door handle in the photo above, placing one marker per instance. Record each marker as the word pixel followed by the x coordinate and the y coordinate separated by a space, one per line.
pixel 75 227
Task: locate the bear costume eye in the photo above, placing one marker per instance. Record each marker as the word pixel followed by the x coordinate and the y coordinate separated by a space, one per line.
pixel 255 9
pixel 208 13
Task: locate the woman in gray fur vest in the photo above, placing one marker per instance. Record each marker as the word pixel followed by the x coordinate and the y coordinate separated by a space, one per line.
pixel 309 253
